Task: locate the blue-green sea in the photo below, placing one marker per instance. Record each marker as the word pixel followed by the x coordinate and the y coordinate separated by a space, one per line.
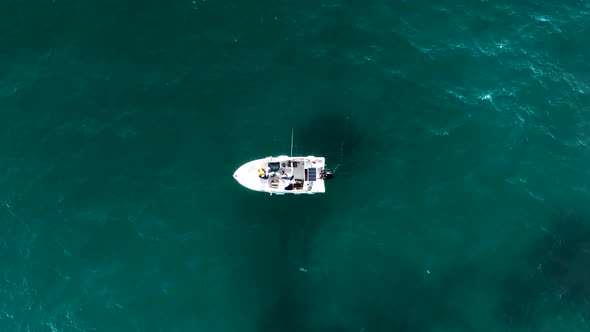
pixel 459 133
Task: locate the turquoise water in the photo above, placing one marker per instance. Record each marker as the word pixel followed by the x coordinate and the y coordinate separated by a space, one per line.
pixel 459 132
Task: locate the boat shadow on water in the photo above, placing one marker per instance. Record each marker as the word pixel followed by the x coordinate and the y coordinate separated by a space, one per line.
pixel 335 136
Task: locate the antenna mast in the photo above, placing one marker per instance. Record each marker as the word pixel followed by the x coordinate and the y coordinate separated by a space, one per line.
pixel 291 142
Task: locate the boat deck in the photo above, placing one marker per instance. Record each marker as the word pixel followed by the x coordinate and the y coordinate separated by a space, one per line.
pixel 284 175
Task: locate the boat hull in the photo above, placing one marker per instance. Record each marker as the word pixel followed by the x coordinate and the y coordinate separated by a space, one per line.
pixel 283 175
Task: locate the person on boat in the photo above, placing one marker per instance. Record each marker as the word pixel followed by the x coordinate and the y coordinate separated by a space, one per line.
pixel 263 173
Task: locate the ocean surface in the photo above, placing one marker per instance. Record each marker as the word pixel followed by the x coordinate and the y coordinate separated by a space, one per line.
pixel 459 132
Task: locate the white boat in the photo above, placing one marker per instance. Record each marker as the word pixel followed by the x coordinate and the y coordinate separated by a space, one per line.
pixel 285 174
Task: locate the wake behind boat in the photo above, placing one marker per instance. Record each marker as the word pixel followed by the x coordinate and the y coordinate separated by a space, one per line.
pixel 285 174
